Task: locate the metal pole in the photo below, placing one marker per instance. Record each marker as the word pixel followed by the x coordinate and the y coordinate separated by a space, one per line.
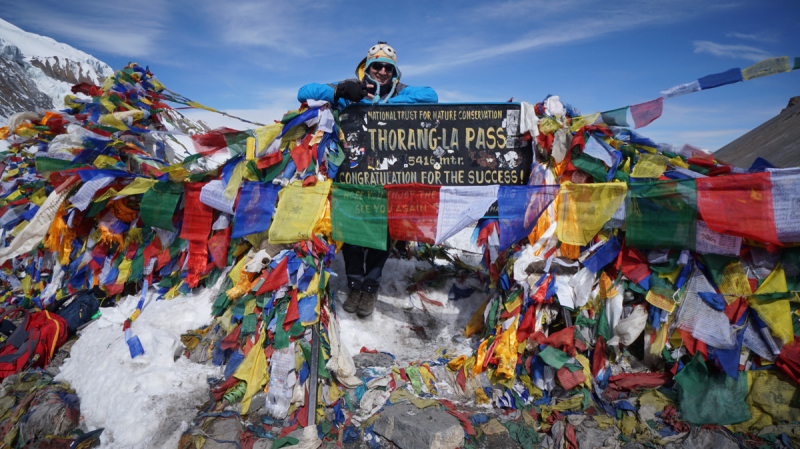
pixel 314 366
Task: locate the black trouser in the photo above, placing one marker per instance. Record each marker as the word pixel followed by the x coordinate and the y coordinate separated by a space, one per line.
pixel 364 267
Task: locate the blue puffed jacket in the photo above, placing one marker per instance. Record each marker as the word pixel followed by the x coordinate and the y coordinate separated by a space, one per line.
pixel 402 94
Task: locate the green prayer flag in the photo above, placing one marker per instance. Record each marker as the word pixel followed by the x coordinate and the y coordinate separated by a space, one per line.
pixel 661 214
pixel 603 328
pixel 281 337
pixel 249 323
pixel 159 203
pixel 617 117
pixel 237 142
pixel 711 399
pixel 359 215
pixel 554 357
pixel 275 170
pixel 48 165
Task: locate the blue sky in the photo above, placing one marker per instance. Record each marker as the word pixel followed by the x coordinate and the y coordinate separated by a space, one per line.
pixel 250 57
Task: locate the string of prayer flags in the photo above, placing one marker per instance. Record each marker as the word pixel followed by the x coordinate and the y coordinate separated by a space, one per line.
pixel 359 215
pixel 413 212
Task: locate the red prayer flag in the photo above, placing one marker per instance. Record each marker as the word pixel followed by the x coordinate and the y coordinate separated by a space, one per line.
pixel 292 314
pixel 212 141
pixel 413 212
pixel 218 247
pixel 198 256
pixel 276 278
pixel 568 379
pixel 197 216
pixel 301 154
pixel 644 113
pixel 739 205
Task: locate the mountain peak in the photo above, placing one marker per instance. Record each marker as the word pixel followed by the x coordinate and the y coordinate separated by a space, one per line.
pixel 36 72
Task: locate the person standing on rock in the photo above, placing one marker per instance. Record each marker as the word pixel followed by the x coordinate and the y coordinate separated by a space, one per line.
pixel 378 81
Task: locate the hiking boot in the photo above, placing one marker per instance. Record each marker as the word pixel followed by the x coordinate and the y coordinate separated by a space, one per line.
pixel 351 304
pixel 367 304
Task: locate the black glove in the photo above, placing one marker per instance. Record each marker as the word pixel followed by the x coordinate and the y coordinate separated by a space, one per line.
pixel 349 90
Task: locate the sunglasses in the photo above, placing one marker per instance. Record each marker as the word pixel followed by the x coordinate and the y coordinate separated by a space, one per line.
pixel 377 66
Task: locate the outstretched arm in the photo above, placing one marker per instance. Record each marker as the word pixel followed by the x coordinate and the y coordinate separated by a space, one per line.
pixel 413 94
pixel 314 91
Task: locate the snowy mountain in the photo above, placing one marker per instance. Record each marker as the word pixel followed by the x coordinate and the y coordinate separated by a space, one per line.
pixel 36 72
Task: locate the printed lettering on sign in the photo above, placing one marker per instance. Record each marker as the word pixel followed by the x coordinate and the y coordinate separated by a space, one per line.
pixel 435 144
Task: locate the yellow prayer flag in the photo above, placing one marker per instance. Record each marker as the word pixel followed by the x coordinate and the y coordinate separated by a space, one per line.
pixel 253 370
pixel 734 281
pixel 266 134
pixel 251 148
pixel 649 166
pixel 583 209
pixel 124 272
pixel 766 67
pixel 580 122
pixel 137 186
pixel 236 180
pixel 299 209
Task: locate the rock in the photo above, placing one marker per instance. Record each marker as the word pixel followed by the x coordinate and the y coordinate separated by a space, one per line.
pixel 588 437
pixel 700 439
pixel 366 359
pixel 264 443
pixel 411 428
pixel 576 420
pixel 258 401
pixel 224 429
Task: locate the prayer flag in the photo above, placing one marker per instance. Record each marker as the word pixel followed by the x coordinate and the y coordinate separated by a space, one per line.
pixel 720 79
pixel 413 212
pixel 519 208
pixel 299 210
pixel 644 113
pixel 766 67
pixel 617 117
pixel 159 203
pixel 661 214
pixel 583 209
pixel 359 215
pixel 738 205
pixel 197 217
pixel 255 208
pixel 459 206
pixel 212 141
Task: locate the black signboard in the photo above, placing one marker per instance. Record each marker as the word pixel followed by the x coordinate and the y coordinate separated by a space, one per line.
pixel 437 144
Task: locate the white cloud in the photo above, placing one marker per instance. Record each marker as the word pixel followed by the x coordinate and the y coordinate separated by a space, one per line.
pixel 114 27
pixel 296 27
pixel 752 37
pixel 550 30
pixel 731 51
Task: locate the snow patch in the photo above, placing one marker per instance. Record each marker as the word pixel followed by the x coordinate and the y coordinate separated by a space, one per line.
pixel 143 402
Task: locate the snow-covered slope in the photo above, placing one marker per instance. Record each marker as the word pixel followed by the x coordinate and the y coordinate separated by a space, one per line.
pixel 37 71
